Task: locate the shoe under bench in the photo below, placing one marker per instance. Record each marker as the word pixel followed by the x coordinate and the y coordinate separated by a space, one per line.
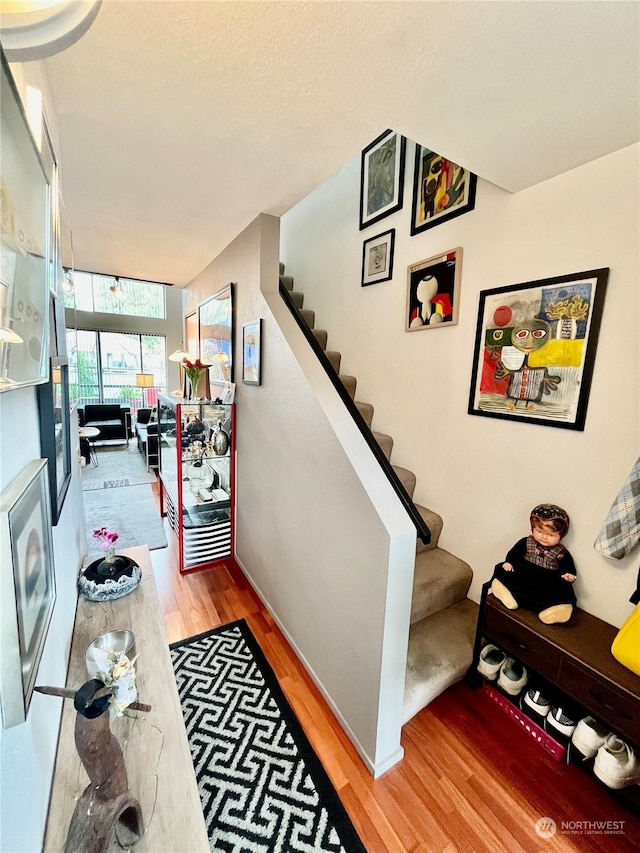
pixel 574 658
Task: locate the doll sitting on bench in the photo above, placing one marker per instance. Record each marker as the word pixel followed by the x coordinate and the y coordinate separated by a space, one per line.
pixel 538 573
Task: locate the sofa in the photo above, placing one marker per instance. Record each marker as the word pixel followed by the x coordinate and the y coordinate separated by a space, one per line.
pixel 113 420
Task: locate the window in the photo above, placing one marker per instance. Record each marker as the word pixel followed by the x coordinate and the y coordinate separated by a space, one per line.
pixel 110 295
pixel 103 367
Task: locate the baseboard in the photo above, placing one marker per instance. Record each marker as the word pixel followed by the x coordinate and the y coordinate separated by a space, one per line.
pixel 375 768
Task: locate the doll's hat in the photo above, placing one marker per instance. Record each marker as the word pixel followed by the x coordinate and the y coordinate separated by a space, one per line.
pixel 551 512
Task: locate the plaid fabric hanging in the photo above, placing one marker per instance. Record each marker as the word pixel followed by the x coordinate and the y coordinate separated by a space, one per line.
pixel 621 530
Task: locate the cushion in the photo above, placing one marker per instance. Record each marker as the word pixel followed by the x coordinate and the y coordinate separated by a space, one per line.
pixel 103 413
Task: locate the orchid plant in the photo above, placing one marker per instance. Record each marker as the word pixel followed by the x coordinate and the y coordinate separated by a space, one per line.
pixel 107 540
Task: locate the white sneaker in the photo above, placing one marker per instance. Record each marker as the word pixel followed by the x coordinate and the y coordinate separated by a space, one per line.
pixel 616 764
pixel 491 659
pixel 535 701
pixel 559 723
pixel 589 736
pixel 513 677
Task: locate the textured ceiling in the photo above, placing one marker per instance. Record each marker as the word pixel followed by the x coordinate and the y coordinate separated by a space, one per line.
pixel 182 121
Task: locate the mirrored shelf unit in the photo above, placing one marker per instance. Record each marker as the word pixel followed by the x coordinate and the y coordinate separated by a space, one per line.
pixel 196 465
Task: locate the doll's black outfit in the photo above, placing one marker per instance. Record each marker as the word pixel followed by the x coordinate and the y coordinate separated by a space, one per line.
pixel 536 581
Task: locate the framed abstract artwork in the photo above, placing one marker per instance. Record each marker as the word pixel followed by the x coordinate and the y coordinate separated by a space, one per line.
pixel 252 353
pixel 441 190
pixel 433 292
pixel 535 349
pixel 28 587
pixel 215 331
pixel 377 258
pixel 26 239
pixel 382 177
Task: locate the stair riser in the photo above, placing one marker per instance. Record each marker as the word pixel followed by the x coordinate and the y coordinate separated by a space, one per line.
pixel 439 580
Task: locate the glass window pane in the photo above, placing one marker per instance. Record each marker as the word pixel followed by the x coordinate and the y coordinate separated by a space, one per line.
pixel 82 287
pixel 120 356
pixel 87 368
pixel 154 360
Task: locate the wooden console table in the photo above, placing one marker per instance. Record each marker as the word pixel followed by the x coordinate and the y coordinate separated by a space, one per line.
pixel 154 744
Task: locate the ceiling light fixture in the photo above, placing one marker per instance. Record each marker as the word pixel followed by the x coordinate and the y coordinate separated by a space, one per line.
pixel 37 29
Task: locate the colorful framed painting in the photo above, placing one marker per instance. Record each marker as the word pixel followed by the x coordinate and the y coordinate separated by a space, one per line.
pixel 252 353
pixel 215 331
pixel 441 190
pixel 535 349
pixel 433 292
pixel 377 258
pixel 28 587
pixel 382 177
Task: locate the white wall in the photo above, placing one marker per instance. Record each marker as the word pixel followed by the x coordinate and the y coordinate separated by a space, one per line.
pixel 27 751
pixel 484 475
pixel 333 573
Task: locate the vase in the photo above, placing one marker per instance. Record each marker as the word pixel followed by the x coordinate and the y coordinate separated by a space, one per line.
pixel 220 441
pixel 111 564
pixel 200 476
pixel 192 385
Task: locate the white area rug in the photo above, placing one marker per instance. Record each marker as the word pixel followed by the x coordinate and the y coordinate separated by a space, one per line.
pixel 117 466
pixel 132 512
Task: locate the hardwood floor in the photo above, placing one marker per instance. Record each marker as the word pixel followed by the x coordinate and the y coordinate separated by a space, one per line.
pixel 471 779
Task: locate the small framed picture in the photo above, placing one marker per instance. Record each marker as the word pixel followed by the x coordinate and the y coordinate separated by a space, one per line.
pixel 251 345
pixel 433 292
pixel 382 177
pixel 535 349
pixel 377 258
pixel 441 190
pixel 28 586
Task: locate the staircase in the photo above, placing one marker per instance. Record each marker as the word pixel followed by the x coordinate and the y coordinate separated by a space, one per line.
pixel 443 619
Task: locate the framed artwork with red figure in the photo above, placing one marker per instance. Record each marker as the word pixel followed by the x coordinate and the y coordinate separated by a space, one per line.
pixel 535 349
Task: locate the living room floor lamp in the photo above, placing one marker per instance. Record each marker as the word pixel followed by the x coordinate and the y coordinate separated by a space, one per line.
pixel 144 381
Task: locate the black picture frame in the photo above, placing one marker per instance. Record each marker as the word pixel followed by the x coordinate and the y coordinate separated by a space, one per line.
pixel 562 314
pixel 377 258
pixel 252 353
pixel 55 432
pixel 28 584
pixel 382 177
pixel 433 292
pixel 446 190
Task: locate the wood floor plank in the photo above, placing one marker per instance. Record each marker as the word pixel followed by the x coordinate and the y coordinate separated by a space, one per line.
pixel 471 780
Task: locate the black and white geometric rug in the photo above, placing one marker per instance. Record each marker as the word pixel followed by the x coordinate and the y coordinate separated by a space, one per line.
pixel 263 788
